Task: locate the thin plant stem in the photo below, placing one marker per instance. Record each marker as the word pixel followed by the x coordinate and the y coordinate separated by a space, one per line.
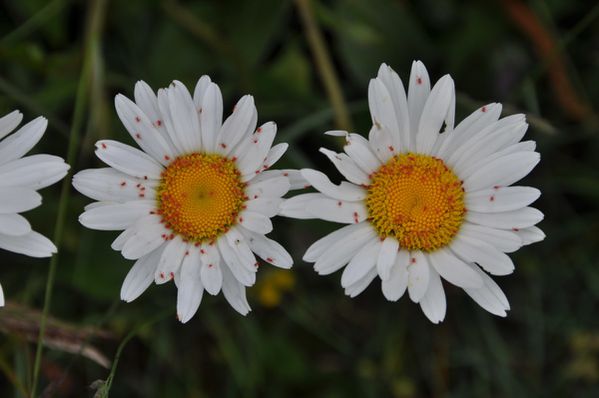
pixel 324 64
pixel 105 388
pixel 96 16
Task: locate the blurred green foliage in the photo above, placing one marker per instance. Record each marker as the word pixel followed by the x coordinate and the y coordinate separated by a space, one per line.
pixel 314 342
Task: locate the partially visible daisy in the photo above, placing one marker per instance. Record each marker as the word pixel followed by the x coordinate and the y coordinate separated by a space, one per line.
pixel 425 204
pixel 196 201
pixel 20 178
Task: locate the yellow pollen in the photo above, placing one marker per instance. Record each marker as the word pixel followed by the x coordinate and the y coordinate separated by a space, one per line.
pixel 200 196
pixel 418 200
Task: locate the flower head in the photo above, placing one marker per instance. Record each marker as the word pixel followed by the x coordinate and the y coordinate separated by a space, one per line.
pixel 196 201
pixel 425 200
pixel 20 178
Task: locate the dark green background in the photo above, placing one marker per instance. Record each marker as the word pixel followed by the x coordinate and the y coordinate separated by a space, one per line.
pixel 316 342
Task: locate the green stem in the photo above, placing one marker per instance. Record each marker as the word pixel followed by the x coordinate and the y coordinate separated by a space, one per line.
pixel 96 16
pixel 105 389
pixel 324 65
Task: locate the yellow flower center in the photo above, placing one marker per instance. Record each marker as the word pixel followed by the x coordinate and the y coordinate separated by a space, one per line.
pixel 200 196
pixel 418 200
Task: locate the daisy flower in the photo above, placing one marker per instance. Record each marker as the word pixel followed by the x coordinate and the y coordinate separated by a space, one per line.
pixel 424 204
pixel 20 178
pixel 195 203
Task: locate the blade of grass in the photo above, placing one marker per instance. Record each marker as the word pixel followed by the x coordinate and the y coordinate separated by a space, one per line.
pixel 324 64
pixel 95 18
pixel 104 389
pixel 12 377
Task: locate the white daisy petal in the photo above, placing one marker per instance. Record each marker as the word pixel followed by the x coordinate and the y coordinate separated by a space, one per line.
pixel 360 285
pixel 418 276
pixel 108 184
pixel 143 130
pixel 515 219
pixel 381 142
pixel 273 156
pixel 361 264
pixel 10 122
pixel 211 272
pixel 347 167
pixel 324 243
pixel 359 150
pixel 21 142
pixel 419 89
pixel 190 289
pixel 147 102
pixel 468 128
pixel 14 225
pixel 398 95
pixel 31 244
pixel 501 199
pixel 435 112
pixel 184 117
pixel 128 160
pixel 234 292
pixel 454 270
pixel 147 236
pixel 241 123
pixel 382 109
pixel 295 178
pixel 140 276
pixel 337 210
pixel 342 251
pixel 252 155
pixel 433 303
pixel 296 206
pixel 35 171
pixel 200 90
pixel 115 216
pixel 489 296
pixel 270 188
pixel 503 171
pixel 123 237
pixel 395 286
pixel 485 254
pixel 1 297
pixel 178 142
pixel 386 257
pixel 174 252
pixel 506 241
pixel 211 116
pixel 238 242
pixel 344 191
pixel 470 168
pixel 254 221
pixel 265 206
pixel 267 249
pixel 485 137
pixel 18 200
pixel 530 235
pixel 506 132
pixel 236 267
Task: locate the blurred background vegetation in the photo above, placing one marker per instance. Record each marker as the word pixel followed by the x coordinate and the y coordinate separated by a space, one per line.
pixel 308 66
